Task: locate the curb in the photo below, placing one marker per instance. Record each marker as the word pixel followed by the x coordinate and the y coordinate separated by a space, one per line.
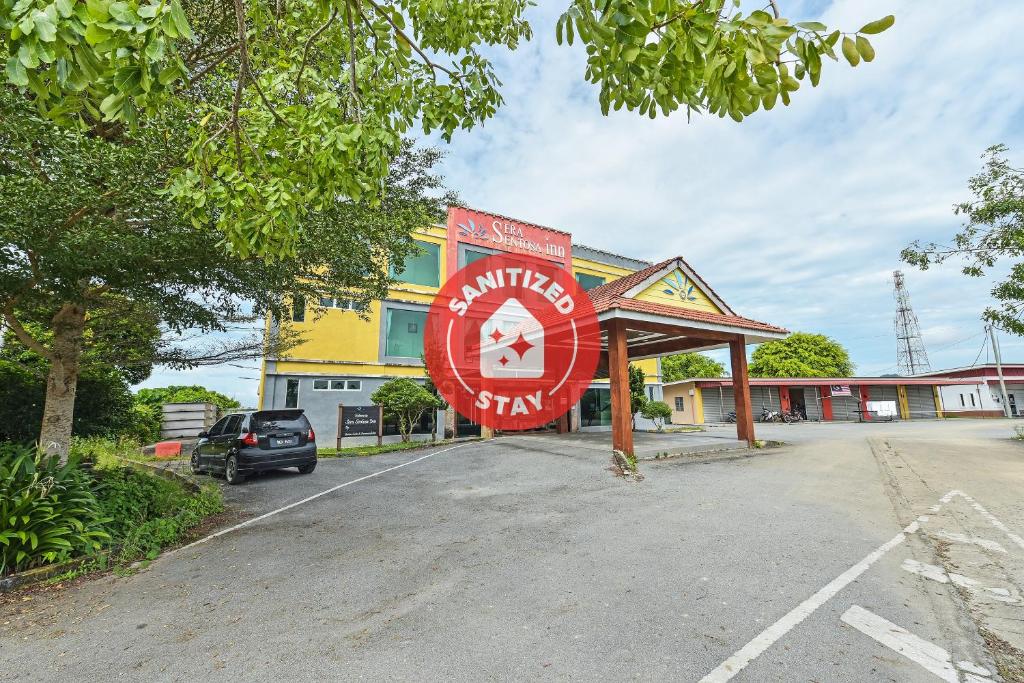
pixel 30 577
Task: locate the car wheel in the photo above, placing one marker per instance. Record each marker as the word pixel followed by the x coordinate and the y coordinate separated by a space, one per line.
pixel 307 469
pixel 231 471
pixel 194 464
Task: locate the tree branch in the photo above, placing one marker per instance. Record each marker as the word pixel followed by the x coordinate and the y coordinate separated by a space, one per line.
pixel 23 335
pixel 309 44
pixel 401 34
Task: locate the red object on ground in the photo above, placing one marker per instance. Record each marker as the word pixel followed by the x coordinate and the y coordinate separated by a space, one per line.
pixel 168 449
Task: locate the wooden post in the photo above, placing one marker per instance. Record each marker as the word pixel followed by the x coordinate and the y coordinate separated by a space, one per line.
pixel 341 425
pixel 618 372
pixel 380 425
pixel 741 391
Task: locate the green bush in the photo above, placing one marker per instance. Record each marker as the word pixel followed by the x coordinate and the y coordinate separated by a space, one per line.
pixel 148 513
pixel 658 412
pixel 156 397
pixel 103 402
pixel 405 400
pixel 48 512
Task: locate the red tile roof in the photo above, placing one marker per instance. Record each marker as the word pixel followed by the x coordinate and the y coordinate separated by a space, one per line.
pixel 611 295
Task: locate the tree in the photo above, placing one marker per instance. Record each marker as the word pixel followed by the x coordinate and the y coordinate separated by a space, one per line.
pixel 88 234
pixel 993 229
pixel 156 397
pixel 637 392
pixel 801 355
pixel 688 365
pixel 658 412
pixel 292 105
pixel 405 400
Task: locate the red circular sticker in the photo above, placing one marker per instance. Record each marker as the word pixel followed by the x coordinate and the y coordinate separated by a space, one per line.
pixel 512 342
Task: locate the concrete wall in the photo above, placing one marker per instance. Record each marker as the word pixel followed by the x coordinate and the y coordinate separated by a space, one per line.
pixel 688 415
pixel 956 400
pixel 321 407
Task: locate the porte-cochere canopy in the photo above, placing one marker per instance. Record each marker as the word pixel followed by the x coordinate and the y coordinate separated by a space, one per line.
pixel 664 309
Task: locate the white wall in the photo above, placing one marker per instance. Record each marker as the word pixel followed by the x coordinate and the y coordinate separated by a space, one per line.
pixel 984 398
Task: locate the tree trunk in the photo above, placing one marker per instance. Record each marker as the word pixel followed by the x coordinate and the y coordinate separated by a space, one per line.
pixel 62 380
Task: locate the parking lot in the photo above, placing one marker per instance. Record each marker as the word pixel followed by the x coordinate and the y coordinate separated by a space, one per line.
pixel 856 552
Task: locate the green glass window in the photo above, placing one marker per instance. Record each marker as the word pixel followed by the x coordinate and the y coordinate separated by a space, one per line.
pixel 473 255
pixel 588 282
pixel 404 333
pixel 423 268
pixel 596 407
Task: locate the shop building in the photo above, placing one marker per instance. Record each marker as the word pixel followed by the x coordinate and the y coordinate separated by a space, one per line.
pixel 962 392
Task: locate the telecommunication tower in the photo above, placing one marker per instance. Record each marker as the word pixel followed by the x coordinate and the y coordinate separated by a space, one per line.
pixel 911 357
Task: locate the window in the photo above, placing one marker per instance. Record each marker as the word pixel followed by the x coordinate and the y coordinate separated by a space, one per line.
pixel 404 333
pixel 473 255
pixel 342 304
pixel 973 404
pixel 218 429
pixel 337 385
pixel 680 405
pixel 291 394
pixel 963 404
pixel 234 425
pixel 588 282
pixel 596 407
pixel 423 268
pixel 299 309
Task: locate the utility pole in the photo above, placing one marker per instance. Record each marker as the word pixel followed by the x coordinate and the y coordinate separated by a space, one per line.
pixel 911 358
pixel 999 369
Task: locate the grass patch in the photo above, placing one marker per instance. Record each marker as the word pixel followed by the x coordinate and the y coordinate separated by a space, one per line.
pixel 363 451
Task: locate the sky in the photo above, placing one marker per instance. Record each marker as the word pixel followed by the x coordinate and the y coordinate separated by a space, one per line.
pixel 796 216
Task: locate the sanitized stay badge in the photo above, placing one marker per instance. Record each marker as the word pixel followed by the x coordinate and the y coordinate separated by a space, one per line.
pixel 512 342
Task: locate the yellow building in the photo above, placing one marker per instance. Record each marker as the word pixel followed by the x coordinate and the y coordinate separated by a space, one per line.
pixel 344 357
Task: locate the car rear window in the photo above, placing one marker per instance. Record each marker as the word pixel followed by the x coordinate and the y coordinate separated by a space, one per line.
pixel 278 421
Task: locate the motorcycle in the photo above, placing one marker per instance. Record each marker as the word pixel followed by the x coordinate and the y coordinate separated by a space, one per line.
pixel 770 415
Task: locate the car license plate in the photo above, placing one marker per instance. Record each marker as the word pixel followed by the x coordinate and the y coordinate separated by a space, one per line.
pixel 285 441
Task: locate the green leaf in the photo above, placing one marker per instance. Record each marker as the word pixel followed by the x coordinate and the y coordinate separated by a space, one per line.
pixel 64 7
pixel 879 25
pixel 16 72
pixel 180 20
pixel 865 49
pixel 850 51
pixel 630 53
pixel 812 25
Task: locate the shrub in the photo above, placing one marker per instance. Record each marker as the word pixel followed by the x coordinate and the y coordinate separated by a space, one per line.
pixel 406 400
pixel 47 511
pixel 103 402
pixel 156 397
pixel 148 513
pixel 658 412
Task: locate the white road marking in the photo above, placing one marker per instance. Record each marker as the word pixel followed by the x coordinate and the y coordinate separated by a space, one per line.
pixel 972 540
pixel 936 573
pixel 996 523
pixel 738 661
pixel 928 571
pixel 930 656
pixel 297 503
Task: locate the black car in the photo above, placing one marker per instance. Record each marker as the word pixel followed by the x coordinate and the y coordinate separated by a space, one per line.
pixel 245 443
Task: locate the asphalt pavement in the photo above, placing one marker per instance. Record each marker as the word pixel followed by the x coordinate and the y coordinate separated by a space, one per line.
pixel 507 560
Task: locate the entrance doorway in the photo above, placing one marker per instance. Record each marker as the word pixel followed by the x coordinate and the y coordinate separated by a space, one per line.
pixel 1013 405
pixel 797 402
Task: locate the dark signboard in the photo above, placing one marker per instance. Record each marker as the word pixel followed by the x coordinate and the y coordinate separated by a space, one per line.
pixel 359 421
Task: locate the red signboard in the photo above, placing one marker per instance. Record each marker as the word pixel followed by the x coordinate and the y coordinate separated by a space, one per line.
pixel 491 231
